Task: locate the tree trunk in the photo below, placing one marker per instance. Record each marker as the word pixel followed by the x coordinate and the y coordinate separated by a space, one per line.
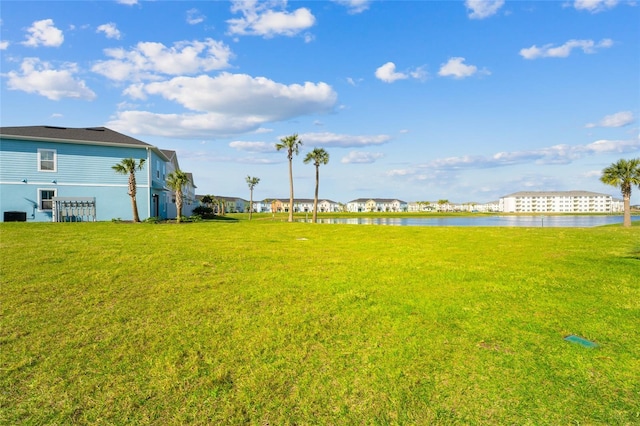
pixel 626 222
pixel 132 193
pixel 251 204
pixel 315 198
pixel 290 191
pixel 134 206
pixel 179 205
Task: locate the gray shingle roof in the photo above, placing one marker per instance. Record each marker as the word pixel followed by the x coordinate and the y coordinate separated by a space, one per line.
pixel 86 135
pixel 168 153
pixel 190 176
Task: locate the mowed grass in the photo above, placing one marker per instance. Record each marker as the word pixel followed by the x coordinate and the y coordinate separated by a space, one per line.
pixel 273 323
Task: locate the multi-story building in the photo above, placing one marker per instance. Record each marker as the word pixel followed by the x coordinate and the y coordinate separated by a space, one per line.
pixel 559 202
pixel 52 173
pixel 189 201
pixel 377 205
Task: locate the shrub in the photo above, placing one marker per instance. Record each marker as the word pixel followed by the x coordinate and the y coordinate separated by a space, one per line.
pixel 202 211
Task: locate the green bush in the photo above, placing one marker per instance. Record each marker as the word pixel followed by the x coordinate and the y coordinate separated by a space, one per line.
pixel 203 211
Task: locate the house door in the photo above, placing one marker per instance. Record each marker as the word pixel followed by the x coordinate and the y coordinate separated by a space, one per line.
pixel 155 207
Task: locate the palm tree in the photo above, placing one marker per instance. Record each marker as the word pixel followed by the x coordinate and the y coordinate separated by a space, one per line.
pixel 623 174
pixel 176 180
pixel 318 156
pixel 292 145
pixel 252 182
pixel 129 166
pixel 207 200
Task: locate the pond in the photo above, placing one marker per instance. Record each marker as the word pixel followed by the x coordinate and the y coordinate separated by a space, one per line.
pixel 527 221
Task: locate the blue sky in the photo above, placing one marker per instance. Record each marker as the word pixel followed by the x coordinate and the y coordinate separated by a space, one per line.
pixel 417 100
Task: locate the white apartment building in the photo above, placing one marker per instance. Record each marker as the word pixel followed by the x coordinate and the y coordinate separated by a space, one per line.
pixel 559 202
pixel 377 205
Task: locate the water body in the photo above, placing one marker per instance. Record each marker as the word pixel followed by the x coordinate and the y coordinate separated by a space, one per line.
pixel 526 221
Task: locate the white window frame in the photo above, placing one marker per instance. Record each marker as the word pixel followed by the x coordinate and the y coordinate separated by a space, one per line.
pixel 55 160
pixel 55 194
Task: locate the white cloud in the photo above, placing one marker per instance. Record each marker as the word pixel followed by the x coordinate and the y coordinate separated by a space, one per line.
pixel 4 45
pixel 226 105
pixel 128 2
pixel 594 6
pixel 563 51
pixel 207 125
pixel 399 172
pixel 110 30
pixel 419 74
pixel 480 9
pixel 388 74
pixel 234 94
pixel 263 130
pixel 39 77
pixel 254 147
pixel 361 157
pixel 618 119
pixel 449 169
pixel 605 146
pixel 148 59
pixel 135 91
pixel 44 33
pixel 557 154
pixel 343 141
pixel 354 6
pixel 456 68
pixel 592 174
pixel 260 18
pixel 194 17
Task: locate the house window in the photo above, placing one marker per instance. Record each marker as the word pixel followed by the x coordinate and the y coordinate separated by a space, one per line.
pixel 45 198
pixel 47 160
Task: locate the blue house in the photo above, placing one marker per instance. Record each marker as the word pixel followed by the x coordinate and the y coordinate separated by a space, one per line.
pixel 56 173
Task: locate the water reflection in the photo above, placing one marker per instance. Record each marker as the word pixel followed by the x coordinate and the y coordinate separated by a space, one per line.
pixel 526 221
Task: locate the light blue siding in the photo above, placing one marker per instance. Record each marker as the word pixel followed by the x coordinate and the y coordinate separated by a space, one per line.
pixel 76 163
pixel 111 202
pixel 157 192
pixel 82 170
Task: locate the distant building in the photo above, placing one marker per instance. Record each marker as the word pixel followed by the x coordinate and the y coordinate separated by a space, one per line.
pixel 300 205
pixel 377 205
pixel 232 204
pixel 559 202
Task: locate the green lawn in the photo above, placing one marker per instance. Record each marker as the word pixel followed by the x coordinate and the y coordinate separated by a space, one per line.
pixel 272 323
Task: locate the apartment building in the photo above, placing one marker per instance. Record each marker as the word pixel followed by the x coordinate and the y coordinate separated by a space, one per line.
pixel 559 202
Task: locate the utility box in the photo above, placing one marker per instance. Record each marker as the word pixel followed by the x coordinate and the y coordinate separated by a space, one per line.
pixel 74 209
pixel 15 216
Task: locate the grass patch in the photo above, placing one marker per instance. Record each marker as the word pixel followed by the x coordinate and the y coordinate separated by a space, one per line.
pixel 266 322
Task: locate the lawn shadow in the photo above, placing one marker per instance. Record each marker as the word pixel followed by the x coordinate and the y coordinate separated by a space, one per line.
pixel 214 218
